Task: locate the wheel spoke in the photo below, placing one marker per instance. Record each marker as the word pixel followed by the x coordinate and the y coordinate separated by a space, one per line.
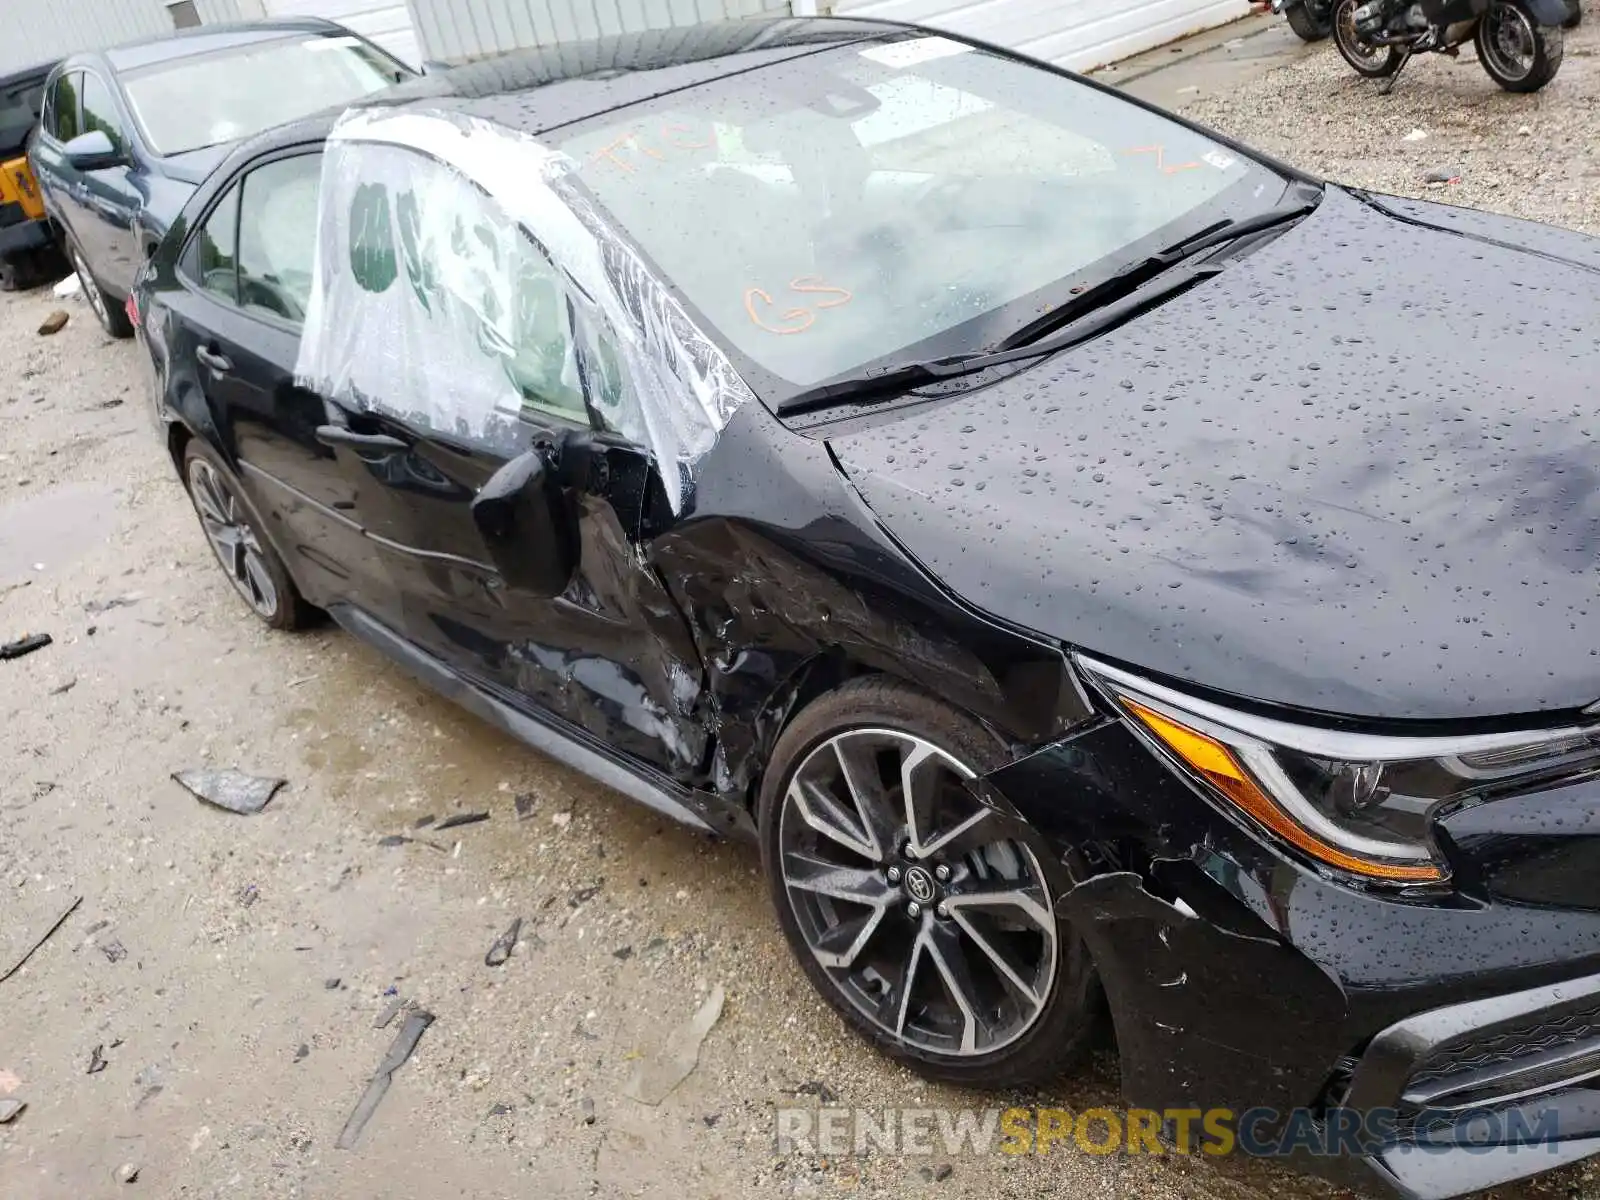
pixel 1002 964
pixel 968 835
pixel 919 774
pixel 859 885
pixel 827 816
pixel 907 982
pixel 841 945
pixel 949 957
pixel 266 595
pixel 1025 901
pixel 858 766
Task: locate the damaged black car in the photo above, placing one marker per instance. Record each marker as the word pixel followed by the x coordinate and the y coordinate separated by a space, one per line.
pixel 1111 574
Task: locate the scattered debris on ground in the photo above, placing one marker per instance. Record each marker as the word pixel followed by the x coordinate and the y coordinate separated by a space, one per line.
pixel 114 950
pixel 54 323
pixel 503 945
pixel 230 789
pixel 404 1043
pixel 97 1060
pixel 390 1011
pixel 471 818
pixel 525 803
pixel 655 1076
pixel 10 1110
pixel 48 934
pixel 126 1173
pixel 25 645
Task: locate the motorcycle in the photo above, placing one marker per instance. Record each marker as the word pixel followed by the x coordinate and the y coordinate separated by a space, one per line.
pixel 1311 20
pixel 1519 42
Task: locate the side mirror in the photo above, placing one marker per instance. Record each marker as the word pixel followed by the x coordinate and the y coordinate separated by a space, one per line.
pixel 527 524
pixel 92 151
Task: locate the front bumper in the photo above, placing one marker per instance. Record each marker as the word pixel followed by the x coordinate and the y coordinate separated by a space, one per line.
pixel 1242 979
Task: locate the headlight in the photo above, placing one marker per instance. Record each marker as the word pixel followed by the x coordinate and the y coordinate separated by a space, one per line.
pixel 1356 802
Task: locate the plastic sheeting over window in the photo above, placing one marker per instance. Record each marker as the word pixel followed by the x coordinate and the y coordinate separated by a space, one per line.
pixel 460 277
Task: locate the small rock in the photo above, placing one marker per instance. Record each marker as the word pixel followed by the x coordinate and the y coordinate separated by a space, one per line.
pixel 54 323
pixel 942 1172
pixel 586 1107
pixel 561 819
pixel 525 803
pixel 332 984
pixel 1443 175
pixel 9 1110
pixel 501 1110
pixel 1525 131
pixel 1416 135
pixel 622 954
pixel 126 1173
pixel 710 1120
pixel 302 1053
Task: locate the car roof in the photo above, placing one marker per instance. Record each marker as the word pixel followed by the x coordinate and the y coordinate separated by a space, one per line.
pixel 202 39
pixel 535 91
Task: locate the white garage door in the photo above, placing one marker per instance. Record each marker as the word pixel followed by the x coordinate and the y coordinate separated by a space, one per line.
pixel 386 22
pixel 1079 34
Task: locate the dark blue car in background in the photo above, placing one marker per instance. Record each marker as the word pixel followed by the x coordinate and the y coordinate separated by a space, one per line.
pixel 127 134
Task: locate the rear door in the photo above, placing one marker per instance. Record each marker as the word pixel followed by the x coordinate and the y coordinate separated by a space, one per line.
pixel 244 278
pixel 451 393
pixel 107 197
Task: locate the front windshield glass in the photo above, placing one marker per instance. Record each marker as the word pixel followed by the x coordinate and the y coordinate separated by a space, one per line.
pixel 202 101
pixel 827 212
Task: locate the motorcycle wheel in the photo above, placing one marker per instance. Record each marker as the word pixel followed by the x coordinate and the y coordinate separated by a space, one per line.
pixel 1519 54
pixel 1307 25
pixel 1373 62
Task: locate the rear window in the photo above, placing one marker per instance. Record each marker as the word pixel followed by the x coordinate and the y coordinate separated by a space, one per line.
pixel 209 99
pixel 19 112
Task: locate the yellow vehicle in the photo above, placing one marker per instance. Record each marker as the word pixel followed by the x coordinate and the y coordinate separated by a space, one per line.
pixel 28 251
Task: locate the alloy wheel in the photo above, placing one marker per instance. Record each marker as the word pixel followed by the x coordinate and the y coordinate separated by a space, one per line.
pixel 91 290
pixel 913 896
pixel 1512 43
pixel 232 537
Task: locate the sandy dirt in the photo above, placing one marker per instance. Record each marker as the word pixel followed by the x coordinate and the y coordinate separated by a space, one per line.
pixel 228 969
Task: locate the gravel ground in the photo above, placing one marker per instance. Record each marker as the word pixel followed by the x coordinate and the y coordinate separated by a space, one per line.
pixel 229 969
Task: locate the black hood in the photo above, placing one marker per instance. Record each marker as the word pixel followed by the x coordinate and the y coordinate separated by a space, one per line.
pixel 1357 472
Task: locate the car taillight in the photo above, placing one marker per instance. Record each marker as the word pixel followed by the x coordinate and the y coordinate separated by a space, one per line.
pixel 132 309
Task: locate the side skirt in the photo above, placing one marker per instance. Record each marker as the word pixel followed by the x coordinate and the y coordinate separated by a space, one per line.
pixel 698 810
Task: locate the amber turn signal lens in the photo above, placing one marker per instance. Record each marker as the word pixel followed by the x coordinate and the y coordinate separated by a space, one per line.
pixel 1215 763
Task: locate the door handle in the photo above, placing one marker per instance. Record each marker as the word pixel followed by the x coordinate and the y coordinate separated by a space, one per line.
pixel 342 435
pixel 212 359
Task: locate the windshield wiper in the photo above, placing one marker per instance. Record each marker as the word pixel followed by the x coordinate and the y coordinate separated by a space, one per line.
pixel 897 380
pixel 1134 275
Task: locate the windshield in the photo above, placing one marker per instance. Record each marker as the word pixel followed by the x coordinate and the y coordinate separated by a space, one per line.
pixel 201 101
pixel 829 211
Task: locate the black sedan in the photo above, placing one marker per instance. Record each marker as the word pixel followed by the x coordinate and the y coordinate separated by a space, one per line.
pixel 128 133
pixel 1106 570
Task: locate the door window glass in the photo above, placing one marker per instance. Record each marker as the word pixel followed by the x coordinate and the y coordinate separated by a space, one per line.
pixel 212 254
pixel 100 111
pixel 436 305
pixel 278 234
pixel 64 107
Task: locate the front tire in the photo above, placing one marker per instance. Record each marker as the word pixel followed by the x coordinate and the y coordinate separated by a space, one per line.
pixel 1370 62
pixel 107 308
pixel 238 539
pixel 930 927
pixel 1307 26
pixel 1518 53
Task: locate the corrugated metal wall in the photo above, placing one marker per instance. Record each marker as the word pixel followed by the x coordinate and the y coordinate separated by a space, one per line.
pixel 1078 34
pixel 33 31
pixel 456 29
pixel 218 12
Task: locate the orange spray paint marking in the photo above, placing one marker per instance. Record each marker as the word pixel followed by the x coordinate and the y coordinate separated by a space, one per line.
pixel 793 314
pixel 1161 159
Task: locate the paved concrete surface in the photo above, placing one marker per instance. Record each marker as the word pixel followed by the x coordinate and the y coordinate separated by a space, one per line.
pixel 1214 62
pixel 201 960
